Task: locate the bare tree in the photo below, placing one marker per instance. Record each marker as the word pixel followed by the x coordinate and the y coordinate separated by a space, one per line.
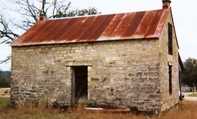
pixel 31 12
pixel 6 34
pixel 53 9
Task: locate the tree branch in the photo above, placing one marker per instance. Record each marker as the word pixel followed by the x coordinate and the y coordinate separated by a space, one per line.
pixel 5 60
pixel 5 32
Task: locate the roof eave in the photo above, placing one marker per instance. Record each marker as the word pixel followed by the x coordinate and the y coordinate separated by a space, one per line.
pixel 85 41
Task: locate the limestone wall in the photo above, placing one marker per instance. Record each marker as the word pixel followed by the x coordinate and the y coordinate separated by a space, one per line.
pixel 120 73
pixel 169 100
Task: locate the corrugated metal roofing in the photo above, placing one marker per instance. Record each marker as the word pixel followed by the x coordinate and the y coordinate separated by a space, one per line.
pixel 136 25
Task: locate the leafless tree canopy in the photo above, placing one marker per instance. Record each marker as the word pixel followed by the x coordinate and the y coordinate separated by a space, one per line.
pixel 53 9
pixel 6 34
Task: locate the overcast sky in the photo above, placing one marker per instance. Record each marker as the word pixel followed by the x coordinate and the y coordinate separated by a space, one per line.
pixel 184 12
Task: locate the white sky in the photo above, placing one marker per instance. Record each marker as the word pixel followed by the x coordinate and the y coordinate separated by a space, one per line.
pixel 184 12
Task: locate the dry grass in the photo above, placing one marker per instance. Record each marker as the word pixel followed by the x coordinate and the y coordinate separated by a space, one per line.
pixel 186 110
pixel 192 94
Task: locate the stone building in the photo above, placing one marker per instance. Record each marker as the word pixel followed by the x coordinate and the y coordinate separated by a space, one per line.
pixel 122 60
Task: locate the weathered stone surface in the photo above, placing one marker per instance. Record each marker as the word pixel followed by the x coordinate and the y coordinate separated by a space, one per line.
pixel 169 100
pixel 131 73
pixel 120 73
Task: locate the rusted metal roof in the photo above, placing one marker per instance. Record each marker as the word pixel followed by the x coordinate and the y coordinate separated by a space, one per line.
pixel 136 25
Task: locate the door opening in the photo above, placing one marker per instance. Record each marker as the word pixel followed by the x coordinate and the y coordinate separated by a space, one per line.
pixel 79 83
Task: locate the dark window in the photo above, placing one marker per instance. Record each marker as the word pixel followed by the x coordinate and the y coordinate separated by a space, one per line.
pixel 170 39
pixel 170 79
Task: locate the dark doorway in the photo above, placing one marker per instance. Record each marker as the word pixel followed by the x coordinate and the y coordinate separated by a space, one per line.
pixel 79 83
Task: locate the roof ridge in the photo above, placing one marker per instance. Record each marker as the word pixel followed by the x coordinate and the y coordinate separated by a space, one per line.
pixel 107 14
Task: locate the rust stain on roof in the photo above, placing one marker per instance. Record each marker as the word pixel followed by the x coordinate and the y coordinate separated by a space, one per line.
pixel 146 24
